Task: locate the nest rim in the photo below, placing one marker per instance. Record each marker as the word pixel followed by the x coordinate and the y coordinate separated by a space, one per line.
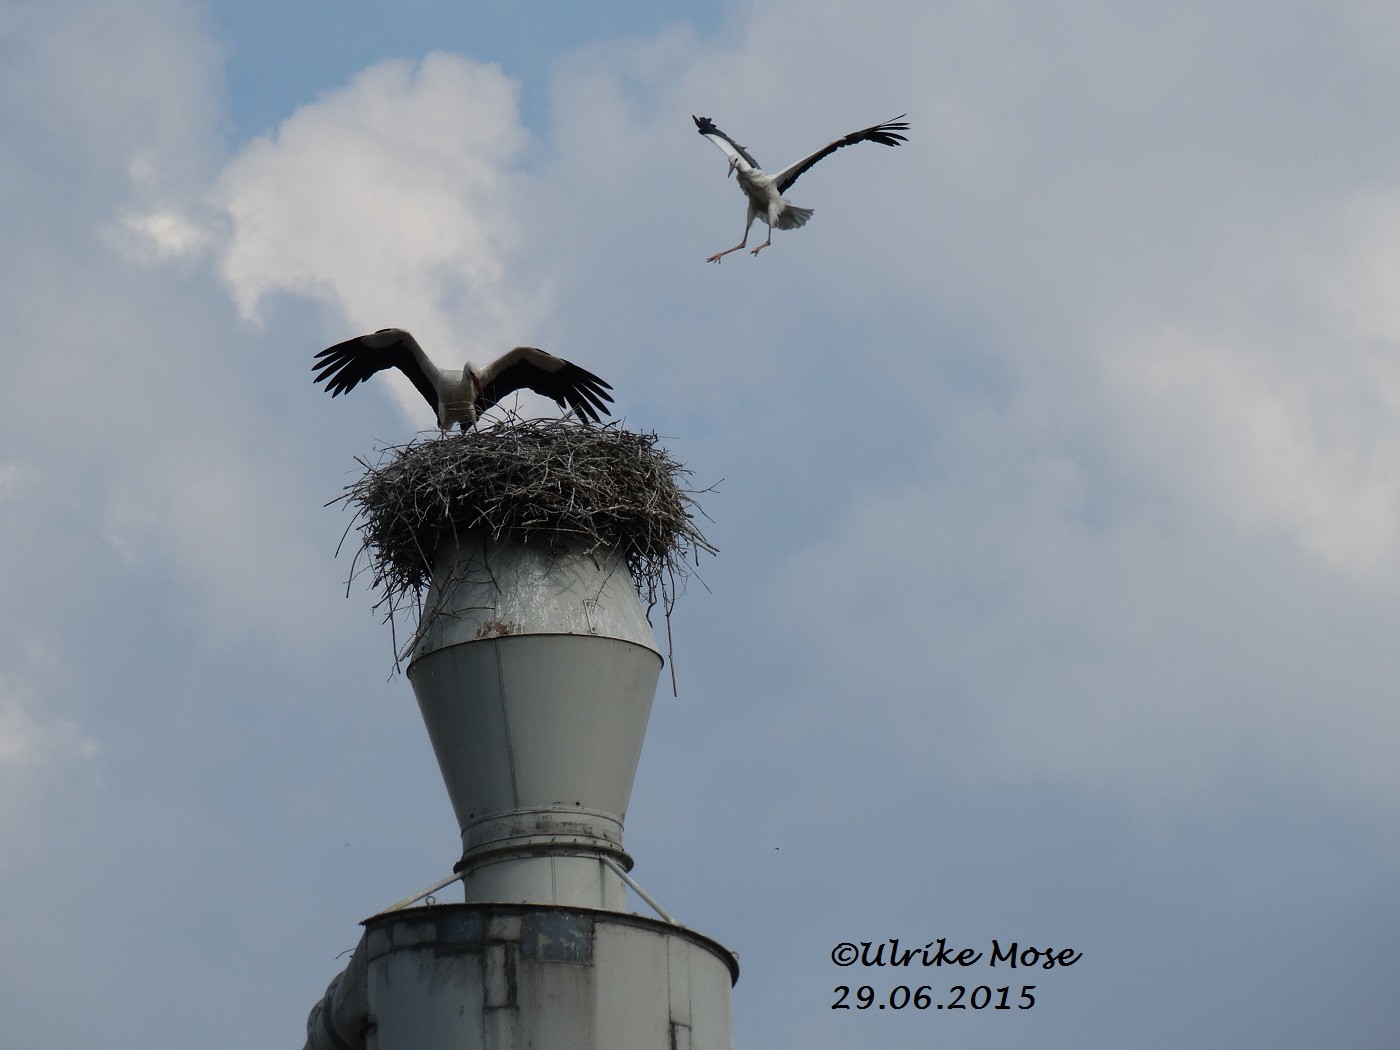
pixel 552 482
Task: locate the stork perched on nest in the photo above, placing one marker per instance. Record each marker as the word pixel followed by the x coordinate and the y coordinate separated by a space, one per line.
pixel 765 192
pixel 461 395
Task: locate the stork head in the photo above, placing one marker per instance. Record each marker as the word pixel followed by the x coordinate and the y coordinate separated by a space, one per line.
pixel 733 166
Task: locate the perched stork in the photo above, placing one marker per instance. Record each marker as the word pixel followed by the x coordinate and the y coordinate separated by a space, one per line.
pixel 461 395
pixel 765 192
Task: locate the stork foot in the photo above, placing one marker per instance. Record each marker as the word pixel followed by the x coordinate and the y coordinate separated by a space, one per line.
pixel 720 255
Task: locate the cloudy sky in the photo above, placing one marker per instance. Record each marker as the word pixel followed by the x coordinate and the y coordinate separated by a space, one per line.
pixel 1059 492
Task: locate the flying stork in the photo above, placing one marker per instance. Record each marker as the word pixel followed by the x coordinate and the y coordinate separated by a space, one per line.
pixel 765 192
pixel 461 395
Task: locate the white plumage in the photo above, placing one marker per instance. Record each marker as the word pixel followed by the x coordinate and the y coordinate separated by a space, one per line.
pixel 765 192
pixel 461 395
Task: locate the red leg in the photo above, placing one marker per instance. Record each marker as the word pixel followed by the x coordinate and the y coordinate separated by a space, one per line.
pixel 765 244
pixel 720 255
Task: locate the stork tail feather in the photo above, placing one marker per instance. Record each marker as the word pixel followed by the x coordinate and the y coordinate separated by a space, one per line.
pixel 793 217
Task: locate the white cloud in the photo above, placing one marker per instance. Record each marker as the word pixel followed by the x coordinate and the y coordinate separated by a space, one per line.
pixel 1145 550
pixel 1149 255
pixel 38 756
pixel 999 609
pixel 161 234
pixel 391 200
pixel 139 379
pixel 119 80
pixel 236 527
pixel 1276 451
pixel 1164 303
pixel 28 745
pixel 1275 391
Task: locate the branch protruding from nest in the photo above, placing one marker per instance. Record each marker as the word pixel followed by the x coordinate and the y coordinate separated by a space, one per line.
pixel 548 481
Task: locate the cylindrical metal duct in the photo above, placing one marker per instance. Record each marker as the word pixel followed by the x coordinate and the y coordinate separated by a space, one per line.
pixel 516 976
pixel 527 977
pixel 535 670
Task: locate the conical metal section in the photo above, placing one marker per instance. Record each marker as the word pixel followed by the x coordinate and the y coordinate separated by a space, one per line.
pixel 535 671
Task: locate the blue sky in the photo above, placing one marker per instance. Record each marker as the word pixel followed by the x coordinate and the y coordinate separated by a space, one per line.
pixel 278 58
pixel 1058 506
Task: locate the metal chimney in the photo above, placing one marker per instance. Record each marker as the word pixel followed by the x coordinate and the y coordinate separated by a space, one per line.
pixel 535 681
pixel 534 667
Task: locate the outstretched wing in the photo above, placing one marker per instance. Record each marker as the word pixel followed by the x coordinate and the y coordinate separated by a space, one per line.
pixel 533 369
pixel 727 145
pixel 346 365
pixel 886 134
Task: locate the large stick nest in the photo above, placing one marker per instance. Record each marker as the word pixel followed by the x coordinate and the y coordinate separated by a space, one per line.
pixel 544 481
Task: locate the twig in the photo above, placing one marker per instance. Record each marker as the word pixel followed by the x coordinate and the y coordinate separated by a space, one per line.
pixel 547 481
